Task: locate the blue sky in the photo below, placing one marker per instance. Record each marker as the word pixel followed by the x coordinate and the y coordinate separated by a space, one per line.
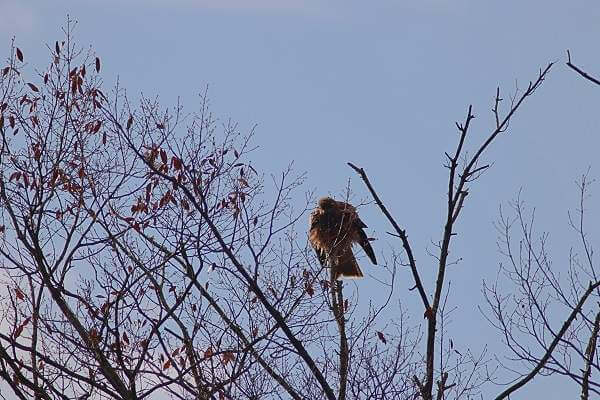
pixel 379 84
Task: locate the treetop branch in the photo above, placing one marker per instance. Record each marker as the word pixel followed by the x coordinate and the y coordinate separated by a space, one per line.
pixel 400 232
pixel 580 71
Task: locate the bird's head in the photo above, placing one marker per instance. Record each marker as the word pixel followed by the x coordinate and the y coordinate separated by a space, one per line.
pixel 327 203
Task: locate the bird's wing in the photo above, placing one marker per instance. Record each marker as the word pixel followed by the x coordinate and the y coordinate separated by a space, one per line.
pixel 363 240
pixel 359 223
pixel 320 255
pixel 313 236
pixel 345 265
pixel 314 219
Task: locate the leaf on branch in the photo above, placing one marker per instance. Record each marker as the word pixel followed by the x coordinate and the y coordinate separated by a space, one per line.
pixel 33 87
pixel 185 205
pixel 19 54
pixel 227 357
pixel 208 353
pixel 53 178
pixel 176 162
pixel 381 337
pixel 5 71
pixel 97 64
pixel 129 122
pixel 19 294
pixel 167 365
pixel 18 331
pixel 309 289
pixel 57 48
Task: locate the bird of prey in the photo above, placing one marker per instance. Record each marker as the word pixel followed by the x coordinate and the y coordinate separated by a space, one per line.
pixel 334 228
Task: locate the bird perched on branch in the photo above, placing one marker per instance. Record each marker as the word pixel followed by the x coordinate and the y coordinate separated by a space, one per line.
pixel 334 228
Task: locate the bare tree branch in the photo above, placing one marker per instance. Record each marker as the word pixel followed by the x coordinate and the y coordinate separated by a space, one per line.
pixel 400 232
pixel 590 353
pixel 557 338
pixel 580 71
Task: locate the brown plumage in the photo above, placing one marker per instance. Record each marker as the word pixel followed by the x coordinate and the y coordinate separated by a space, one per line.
pixel 334 228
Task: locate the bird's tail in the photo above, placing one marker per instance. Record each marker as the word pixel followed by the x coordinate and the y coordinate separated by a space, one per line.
pixel 346 267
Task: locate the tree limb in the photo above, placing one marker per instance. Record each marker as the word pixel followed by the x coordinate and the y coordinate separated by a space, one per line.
pixel 522 382
pixel 401 234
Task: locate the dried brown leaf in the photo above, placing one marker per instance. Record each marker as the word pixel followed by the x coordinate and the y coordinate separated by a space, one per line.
pixel 381 337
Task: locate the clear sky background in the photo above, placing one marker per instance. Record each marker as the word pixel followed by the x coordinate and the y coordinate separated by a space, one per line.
pixel 380 84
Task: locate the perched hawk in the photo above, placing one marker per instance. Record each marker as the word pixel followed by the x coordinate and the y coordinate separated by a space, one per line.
pixel 334 228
